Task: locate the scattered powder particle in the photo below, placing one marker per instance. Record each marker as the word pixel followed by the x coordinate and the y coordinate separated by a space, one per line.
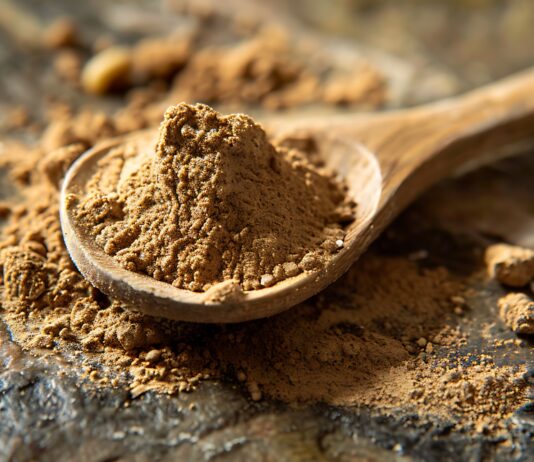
pixel 517 312
pixel 458 300
pixel 153 356
pixel 226 291
pixel 254 391
pixel 510 265
pixel 422 342
pixel 217 202
pixel 267 280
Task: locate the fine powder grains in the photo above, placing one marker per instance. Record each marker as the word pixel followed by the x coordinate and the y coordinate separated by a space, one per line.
pixel 217 202
pixel 374 338
pixel 389 335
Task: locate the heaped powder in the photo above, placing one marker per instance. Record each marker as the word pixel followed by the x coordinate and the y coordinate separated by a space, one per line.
pixel 370 340
pixel 217 202
pixel 380 337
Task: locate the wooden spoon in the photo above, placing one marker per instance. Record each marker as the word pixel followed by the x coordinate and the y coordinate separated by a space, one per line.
pixel 387 159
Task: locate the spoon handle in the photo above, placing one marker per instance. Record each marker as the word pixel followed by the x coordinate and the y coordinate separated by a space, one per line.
pixel 420 146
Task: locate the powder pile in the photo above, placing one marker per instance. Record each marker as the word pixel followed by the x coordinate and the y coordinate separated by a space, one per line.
pixel 372 339
pixel 266 69
pixel 217 202
pixel 388 335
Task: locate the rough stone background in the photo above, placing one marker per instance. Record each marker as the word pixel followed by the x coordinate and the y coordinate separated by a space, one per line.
pixel 429 49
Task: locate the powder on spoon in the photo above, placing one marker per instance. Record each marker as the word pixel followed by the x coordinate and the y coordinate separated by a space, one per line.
pixel 357 344
pixel 217 202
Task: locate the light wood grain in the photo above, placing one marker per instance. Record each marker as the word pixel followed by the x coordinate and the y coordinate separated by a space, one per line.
pixel 387 159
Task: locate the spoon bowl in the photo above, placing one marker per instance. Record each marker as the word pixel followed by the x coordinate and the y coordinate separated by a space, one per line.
pixel 386 159
pixel 350 159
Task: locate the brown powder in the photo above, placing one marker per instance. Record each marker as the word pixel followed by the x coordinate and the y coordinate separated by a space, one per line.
pixel 264 69
pixel 510 265
pixel 371 340
pixel 364 86
pixel 517 312
pixel 267 70
pixel 159 58
pixel 68 66
pixel 217 202
pixel 385 336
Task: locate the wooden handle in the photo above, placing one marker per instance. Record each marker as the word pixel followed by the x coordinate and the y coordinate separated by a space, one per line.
pixel 420 146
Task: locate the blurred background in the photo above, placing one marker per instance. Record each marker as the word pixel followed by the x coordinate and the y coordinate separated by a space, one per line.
pixel 393 53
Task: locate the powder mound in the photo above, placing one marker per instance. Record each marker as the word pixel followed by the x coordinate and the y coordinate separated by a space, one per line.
pixel 216 202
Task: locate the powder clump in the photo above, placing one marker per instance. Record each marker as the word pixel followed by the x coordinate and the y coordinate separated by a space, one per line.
pixel 517 312
pixel 216 202
pixel 510 265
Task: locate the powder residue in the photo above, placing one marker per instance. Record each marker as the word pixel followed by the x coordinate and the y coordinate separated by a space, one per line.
pixel 268 69
pixel 217 202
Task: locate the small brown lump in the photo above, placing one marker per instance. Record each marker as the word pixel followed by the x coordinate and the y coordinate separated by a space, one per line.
pixel 217 202
pixel 510 265
pixel 517 312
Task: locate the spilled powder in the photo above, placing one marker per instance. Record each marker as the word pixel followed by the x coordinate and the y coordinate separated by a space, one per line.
pixel 269 69
pixel 371 340
pixel 384 336
pixel 217 202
